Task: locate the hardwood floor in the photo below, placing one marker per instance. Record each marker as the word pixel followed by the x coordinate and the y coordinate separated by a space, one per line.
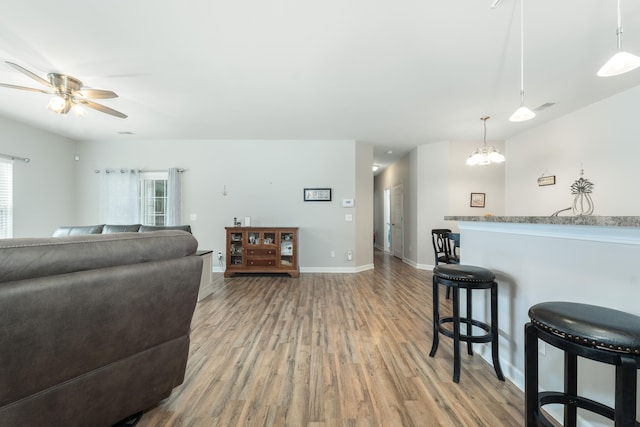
pixel 330 350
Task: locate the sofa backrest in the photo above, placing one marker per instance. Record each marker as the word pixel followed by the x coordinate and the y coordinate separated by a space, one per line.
pixel 115 228
pixel 147 228
pixel 26 258
pixel 75 230
pixel 112 228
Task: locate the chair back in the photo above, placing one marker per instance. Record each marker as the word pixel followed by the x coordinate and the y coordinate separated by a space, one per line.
pixel 452 243
pixel 440 245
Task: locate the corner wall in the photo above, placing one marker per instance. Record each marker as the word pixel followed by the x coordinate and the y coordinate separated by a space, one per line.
pixel 43 189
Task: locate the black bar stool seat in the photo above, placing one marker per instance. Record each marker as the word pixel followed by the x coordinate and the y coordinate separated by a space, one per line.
pixel 470 278
pixel 597 333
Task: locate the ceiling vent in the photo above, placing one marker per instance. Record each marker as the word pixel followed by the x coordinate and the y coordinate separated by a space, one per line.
pixel 545 106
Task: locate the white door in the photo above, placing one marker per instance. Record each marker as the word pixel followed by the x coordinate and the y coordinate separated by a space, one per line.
pixel 397 221
pixel 387 220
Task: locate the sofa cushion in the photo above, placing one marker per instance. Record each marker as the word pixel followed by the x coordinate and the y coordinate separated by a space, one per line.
pixel 78 230
pixel 146 228
pixel 113 228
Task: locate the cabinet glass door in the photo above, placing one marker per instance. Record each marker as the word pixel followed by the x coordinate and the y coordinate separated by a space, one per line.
pixel 235 248
pixel 286 248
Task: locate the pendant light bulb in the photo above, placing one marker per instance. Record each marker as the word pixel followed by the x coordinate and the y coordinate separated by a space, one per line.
pixel 56 104
pixel 523 113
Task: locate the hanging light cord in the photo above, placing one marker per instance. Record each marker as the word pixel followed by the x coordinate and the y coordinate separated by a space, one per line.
pixel 619 30
pixel 522 52
pixel 484 120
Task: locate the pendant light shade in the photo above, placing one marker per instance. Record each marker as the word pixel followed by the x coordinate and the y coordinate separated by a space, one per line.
pixel 522 113
pixel 622 61
pixel 485 155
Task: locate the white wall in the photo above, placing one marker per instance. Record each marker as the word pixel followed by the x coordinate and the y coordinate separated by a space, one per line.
pixel 363 256
pixel 464 180
pixel 263 180
pixel 44 188
pixel 433 195
pixel 603 137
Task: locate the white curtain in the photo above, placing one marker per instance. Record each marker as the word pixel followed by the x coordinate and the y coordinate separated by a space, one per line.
pixel 174 197
pixel 6 198
pixel 120 196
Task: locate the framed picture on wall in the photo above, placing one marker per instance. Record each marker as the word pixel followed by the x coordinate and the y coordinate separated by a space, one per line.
pixel 477 200
pixel 317 194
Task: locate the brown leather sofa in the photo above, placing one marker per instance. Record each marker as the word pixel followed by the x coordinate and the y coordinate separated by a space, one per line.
pixel 93 328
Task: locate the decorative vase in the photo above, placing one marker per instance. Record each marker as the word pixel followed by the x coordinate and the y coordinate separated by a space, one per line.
pixel 582 202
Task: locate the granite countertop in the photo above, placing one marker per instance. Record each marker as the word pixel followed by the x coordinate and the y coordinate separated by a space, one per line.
pixel 602 221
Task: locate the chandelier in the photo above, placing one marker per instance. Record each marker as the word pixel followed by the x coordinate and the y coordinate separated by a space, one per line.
pixel 485 155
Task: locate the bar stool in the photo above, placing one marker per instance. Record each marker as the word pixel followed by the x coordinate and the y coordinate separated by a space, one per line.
pixel 470 278
pixel 597 333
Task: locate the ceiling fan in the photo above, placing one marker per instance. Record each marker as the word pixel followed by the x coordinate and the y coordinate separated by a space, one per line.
pixel 68 91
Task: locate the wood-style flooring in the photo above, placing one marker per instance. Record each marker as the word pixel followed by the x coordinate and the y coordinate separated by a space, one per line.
pixel 330 350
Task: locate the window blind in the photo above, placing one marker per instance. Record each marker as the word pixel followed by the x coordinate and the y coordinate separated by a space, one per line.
pixel 6 198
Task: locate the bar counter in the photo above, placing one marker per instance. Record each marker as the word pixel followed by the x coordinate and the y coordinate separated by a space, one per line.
pixel 587 259
pixel 602 221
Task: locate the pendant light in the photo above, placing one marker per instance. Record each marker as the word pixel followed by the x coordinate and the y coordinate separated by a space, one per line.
pixel 523 113
pixel 485 155
pixel 622 61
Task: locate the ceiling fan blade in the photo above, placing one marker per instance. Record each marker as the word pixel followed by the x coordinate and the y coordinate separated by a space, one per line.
pixel 101 108
pixel 96 93
pixel 30 74
pixel 27 88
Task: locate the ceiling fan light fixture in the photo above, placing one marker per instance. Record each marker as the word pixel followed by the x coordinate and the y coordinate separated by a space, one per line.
pixel 57 104
pixel 68 93
pixel 622 62
pixel 79 110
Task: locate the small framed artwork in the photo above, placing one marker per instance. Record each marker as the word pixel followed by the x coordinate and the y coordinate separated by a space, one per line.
pixel 546 180
pixel 477 200
pixel 317 194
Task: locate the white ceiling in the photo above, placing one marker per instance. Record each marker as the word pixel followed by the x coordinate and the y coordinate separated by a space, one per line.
pixel 393 73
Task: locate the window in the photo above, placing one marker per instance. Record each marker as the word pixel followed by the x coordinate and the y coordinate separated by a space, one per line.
pixel 6 199
pixel 153 198
pixel 129 196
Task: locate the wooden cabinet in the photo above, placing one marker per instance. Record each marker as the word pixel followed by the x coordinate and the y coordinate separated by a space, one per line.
pixel 262 250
